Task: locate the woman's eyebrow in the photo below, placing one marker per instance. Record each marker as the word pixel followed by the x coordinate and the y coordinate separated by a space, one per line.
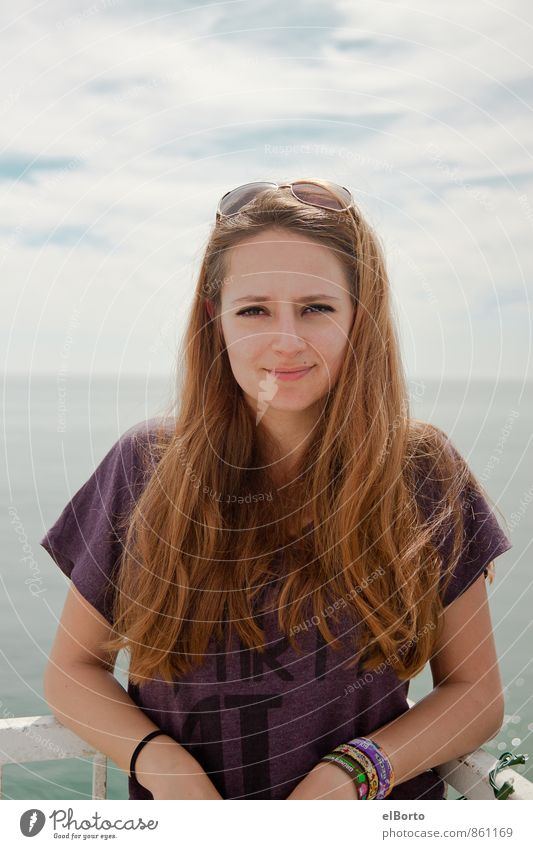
pixel 300 300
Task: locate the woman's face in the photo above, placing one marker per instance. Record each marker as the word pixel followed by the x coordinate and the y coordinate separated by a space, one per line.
pixel 286 304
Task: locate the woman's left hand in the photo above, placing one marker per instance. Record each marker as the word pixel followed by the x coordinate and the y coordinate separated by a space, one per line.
pixel 325 781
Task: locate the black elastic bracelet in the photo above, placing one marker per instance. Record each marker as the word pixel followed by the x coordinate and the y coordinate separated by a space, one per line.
pixel 138 749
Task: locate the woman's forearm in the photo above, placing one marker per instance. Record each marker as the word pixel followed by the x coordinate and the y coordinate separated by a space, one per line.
pixel 89 700
pixel 452 720
pixel 455 718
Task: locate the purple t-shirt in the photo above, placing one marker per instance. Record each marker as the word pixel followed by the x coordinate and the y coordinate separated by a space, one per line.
pixel 257 723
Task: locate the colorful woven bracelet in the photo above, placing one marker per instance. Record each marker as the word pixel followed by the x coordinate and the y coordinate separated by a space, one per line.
pixel 381 762
pixel 354 767
pixel 351 767
pixel 362 791
pixel 361 777
pixel 353 770
pixel 382 752
pixel 371 764
pixel 384 762
pixel 363 744
pixel 385 757
pixel 366 764
pixel 384 777
pixel 365 754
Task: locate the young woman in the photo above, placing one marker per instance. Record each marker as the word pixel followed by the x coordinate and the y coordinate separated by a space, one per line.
pixel 288 547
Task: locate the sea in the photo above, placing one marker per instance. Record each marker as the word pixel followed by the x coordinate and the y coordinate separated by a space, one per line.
pixel 57 428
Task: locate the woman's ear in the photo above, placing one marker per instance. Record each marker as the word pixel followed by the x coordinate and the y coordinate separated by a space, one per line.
pixel 210 307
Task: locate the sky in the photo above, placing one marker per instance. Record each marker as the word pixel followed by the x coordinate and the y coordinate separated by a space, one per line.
pixel 121 125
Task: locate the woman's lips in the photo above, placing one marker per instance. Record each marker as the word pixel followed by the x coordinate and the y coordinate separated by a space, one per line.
pixel 291 375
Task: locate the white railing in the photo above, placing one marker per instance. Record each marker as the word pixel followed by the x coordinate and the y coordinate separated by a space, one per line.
pixel 469 775
pixel 26 739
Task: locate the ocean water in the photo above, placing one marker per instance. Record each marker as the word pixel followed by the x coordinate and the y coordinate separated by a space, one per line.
pixel 57 430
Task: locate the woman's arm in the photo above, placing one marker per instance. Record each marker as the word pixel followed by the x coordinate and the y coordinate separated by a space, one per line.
pixel 84 695
pixel 463 711
pixel 90 701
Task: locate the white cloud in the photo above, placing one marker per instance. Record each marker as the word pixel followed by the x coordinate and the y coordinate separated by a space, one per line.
pixel 132 119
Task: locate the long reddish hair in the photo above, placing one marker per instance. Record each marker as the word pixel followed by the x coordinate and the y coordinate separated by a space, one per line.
pixel 211 531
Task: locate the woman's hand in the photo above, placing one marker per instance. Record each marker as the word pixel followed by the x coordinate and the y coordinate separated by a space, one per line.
pixel 325 781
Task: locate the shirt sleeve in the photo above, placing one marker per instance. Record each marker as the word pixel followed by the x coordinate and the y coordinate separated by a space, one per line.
pixel 483 541
pixel 85 540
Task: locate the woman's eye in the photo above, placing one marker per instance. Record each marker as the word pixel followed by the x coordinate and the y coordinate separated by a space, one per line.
pixel 313 307
pixel 322 307
pixel 249 310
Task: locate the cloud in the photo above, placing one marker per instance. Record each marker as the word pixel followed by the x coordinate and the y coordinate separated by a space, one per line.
pixel 122 124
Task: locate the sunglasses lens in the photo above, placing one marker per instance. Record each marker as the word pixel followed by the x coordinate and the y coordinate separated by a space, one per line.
pixel 239 197
pixel 333 197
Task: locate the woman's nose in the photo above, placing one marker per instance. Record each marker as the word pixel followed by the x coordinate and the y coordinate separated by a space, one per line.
pixel 287 340
pixel 285 333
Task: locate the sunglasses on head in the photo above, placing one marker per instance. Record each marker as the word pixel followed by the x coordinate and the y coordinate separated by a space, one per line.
pixel 321 193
